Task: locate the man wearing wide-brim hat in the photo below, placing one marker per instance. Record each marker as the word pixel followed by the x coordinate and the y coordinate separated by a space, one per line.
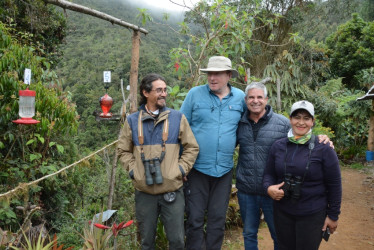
pixel 213 111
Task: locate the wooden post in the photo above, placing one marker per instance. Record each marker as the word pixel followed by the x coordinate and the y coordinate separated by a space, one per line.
pixel 134 71
pixel 112 181
pixel 371 129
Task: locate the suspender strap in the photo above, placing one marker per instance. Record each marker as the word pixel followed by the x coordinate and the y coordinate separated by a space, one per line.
pixel 140 129
pixel 165 131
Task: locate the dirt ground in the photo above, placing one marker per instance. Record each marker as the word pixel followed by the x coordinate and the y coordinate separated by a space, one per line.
pixel 356 222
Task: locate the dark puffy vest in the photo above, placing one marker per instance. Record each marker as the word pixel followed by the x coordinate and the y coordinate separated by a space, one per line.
pixel 253 154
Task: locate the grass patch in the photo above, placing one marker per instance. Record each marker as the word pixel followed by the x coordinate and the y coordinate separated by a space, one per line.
pixel 263 224
pixel 357 166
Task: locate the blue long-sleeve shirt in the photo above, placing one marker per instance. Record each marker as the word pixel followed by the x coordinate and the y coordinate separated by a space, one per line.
pixel 214 123
pixel 322 186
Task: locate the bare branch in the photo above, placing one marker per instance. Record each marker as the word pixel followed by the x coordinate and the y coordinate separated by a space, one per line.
pixel 264 81
pixel 194 62
pixel 181 5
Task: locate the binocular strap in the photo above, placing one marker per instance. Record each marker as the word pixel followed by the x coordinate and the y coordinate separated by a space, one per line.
pixel 311 147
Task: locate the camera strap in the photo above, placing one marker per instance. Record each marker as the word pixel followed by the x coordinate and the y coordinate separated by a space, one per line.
pixel 311 147
pixel 165 133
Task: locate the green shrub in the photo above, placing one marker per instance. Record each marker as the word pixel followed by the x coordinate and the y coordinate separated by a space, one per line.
pixel 30 152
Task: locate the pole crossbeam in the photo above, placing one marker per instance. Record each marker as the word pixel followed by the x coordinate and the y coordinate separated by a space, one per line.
pixel 85 10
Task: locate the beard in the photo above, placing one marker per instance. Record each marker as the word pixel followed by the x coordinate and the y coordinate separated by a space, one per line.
pixel 161 105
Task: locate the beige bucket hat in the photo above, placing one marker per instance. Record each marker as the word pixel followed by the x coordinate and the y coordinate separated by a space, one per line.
pixel 220 63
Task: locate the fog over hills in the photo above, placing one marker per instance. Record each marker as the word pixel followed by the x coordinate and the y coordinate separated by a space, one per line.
pixel 174 7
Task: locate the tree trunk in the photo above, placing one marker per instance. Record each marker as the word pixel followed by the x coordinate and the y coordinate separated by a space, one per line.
pixel 279 104
pixel 371 130
pixel 134 71
pixel 248 76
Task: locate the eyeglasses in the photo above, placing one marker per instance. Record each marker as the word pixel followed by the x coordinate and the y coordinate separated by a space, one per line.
pixel 160 90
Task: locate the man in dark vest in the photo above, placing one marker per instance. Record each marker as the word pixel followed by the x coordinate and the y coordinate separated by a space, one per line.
pixel 149 149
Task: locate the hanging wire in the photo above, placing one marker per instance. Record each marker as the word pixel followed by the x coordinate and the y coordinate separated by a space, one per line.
pixel 23 185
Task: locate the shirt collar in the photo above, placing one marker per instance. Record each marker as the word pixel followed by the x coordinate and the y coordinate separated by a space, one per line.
pixel 160 110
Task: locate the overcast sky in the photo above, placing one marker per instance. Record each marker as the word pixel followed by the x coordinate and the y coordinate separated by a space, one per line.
pixel 167 6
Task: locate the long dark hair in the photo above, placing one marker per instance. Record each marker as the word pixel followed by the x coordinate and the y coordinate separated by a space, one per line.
pixel 146 84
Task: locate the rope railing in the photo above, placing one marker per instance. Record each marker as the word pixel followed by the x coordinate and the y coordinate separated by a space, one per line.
pixel 23 185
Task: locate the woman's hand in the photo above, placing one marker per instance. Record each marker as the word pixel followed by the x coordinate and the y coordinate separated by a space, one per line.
pixel 275 192
pixel 332 224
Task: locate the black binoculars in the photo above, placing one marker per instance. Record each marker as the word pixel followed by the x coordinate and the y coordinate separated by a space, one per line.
pixel 292 186
pixel 153 170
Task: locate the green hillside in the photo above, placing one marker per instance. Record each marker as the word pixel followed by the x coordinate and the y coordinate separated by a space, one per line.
pixel 93 45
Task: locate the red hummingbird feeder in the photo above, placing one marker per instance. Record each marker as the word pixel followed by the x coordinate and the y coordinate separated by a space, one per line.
pixel 26 107
pixel 106 103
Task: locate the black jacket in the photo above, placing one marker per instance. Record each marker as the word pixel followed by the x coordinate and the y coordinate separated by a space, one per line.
pixel 322 185
pixel 253 155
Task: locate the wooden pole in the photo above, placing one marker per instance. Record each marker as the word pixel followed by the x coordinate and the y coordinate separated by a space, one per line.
pixel 371 129
pixel 85 10
pixel 134 71
pixel 112 181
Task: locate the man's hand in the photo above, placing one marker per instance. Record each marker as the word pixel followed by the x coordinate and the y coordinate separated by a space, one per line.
pixel 325 139
pixel 332 224
pixel 275 192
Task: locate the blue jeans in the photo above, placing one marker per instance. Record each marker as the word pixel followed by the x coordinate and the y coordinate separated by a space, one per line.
pixel 250 211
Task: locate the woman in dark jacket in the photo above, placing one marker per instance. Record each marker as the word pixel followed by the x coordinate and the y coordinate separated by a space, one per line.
pixel 303 177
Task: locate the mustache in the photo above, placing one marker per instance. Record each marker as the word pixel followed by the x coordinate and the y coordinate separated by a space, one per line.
pixel 161 98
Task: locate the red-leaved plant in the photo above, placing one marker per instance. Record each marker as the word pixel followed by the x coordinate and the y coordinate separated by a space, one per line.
pixel 115 229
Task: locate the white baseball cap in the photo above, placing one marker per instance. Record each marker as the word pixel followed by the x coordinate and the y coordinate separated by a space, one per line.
pixel 303 105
